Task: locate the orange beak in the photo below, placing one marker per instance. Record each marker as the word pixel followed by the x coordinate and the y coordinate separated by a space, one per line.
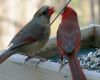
pixel 51 11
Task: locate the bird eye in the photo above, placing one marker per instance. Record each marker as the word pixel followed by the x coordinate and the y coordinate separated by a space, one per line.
pixel 45 12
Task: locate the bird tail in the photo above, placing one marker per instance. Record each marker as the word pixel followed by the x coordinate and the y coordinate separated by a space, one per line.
pixel 5 55
pixel 76 70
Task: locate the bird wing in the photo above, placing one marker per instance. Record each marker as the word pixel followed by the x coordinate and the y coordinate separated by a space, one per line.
pixel 68 34
pixel 28 35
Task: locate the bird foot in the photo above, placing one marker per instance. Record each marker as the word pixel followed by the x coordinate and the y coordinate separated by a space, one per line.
pixel 41 60
pixel 27 59
pixel 62 65
pixel 30 57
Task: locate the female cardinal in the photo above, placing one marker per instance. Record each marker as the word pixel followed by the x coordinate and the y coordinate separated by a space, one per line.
pixel 68 41
pixel 33 36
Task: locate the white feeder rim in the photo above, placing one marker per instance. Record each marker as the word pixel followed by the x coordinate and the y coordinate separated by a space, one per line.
pixel 52 66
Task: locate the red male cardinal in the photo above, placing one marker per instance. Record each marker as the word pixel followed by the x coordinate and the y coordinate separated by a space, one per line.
pixel 33 36
pixel 68 41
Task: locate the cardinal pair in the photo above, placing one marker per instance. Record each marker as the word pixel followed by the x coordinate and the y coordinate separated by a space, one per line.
pixel 35 35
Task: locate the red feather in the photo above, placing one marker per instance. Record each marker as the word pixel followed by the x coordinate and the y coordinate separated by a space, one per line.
pixel 30 40
pixel 67 12
pixel 68 41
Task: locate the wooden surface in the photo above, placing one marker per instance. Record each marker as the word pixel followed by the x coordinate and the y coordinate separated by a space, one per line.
pixel 12 71
pixel 87 40
pixel 45 71
pixel 87 37
pixel 97 36
pixel 90 38
pixel 15 69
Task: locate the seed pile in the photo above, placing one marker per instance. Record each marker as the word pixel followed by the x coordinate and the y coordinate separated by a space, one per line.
pixel 91 61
